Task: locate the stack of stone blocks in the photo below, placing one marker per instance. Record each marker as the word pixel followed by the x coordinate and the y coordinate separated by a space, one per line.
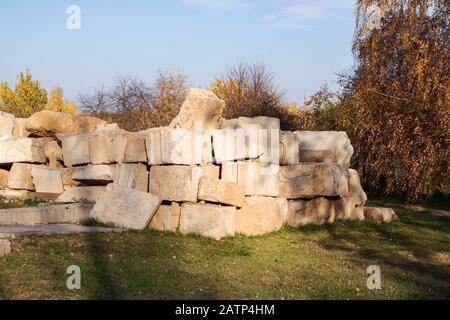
pixel 202 174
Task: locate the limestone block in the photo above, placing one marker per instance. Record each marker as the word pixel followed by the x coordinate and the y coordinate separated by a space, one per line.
pixel 81 194
pixel 14 194
pixel 76 150
pixel 107 147
pixel 19 130
pixel 20 177
pixel 95 174
pixel 175 183
pixel 133 176
pixel 6 123
pixel 135 150
pixel 229 172
pixel 316 211
pixel 345 208
pixel 124 207
pixel 67 173
pixel 53 152
pixel 47 180
pixel 289 148
pixel 177 146
pixel 4 176
pixel 22 150
pixel 207 220
pixel 211 171
pixel 5 247
pixel 311 180
pixel 336 142
pixel 219 191
pixel 49 123
pixel 201 106
pixel 153 145
pixel 167 218
pixel 259 179
pixel 260 215
pixel 317 156
pixel 228 145
pixel 379 215
pixel 354 188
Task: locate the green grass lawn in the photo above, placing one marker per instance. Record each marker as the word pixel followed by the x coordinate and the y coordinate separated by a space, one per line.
pixel 326 262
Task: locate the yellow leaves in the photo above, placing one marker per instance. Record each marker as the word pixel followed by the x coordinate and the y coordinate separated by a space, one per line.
pixel 56 102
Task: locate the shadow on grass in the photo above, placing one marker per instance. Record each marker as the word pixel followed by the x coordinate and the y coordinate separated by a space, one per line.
pixel 407 248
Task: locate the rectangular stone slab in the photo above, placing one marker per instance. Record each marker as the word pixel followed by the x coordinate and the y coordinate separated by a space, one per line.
pixel 20 177
pixel 81 194
pixel 207 220
pixel 167 218
pixel 76 150
pixel 126 208
pixel 95 174
pixel 312 180
pixel 131 175
pixel 220 191
pixel 22 150
pixel 47 180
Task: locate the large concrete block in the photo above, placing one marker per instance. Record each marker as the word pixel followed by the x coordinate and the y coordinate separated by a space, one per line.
pixel 201 106
pixel 133 176
pixel 260 215
pixel 19 130
pixel 289 148
pixel 6 124
pixel 229 172
pixel 53 152
pixel 135 149
pixel 228 145
pixel 175 183
pixel 22 150
pixel 20 177
pixel 167 218
pixel 49 123
pixel 124 207
pixel 4 176
pixel 336 142
pixel 354 188
pixel 76 150
pixel 47 180
pixel 316 211
pixel 81 194
pixel 211 171
pixel 95 174
pixel 259 179
pixel 67 173
pixel 311 180
pixel 207 220
pixel 220 191
pixel 345 208
pixel 106 147
pixel 177 146
pixel 153 145
pixel 62 213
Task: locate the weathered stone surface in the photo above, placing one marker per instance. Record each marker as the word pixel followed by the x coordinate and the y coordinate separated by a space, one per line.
pixel 76 150
pixel 228 145
pixel 201 106
pixel 310 180
pixel 345 208
pixel 177 146
pixel 379 215
pixel 20 177
pixel 211 171
pixel 358 214
pixel 53 152
pixel 107 147
pixel 259 179
pixel 95 174
pixel 19 130
pixel 22 150
pixel 109 127
pixel 260 215
pixel 133 176
pixel 5 248
pixel 153 145
pixel 334 141
pixel 175 183
pixel 6 123
pixel 67 173
pixel 208 220
pixel 135 150
pixel 47 180
pixel 262 121
pixel 62 213
pixel 4 176
pixel 316 211
pixel 289 148
pixel 14 194
pixel 317 156
pixel 167 218
pixel 124 207
pixel 354 188
pixel 81 194
pixel 220 191
pixel 49 123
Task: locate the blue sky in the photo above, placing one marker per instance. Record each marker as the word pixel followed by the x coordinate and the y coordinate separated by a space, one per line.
pixel 304 43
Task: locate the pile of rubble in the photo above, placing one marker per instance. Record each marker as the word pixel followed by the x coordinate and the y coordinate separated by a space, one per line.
pixel 202 174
